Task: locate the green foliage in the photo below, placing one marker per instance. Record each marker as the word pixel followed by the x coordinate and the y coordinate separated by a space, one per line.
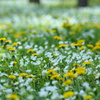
pixel 49 53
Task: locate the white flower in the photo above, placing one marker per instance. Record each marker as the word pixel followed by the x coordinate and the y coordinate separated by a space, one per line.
pixel 30 97
pixel 54 82
pixel 51 88
pixel 47 83
pixel 44 72
pixel 28 70
pixel 55 95
pixel 86 85
pixel 43 93
pixel 82 93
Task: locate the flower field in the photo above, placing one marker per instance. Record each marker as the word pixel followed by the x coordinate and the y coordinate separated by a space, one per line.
pixel 49 53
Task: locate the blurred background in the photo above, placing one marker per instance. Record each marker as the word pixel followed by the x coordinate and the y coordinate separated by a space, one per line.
pixel 61 3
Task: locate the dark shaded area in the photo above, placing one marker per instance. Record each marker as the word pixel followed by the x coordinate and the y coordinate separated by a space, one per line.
pixel 35 1
pixel 82 3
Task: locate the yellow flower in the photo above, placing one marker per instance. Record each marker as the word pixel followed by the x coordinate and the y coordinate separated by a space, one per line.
pixel 14 62
pixel 73 70
pixel 22 32
pixel 63 45
pixel 90 45
pixel 98 76
pixel 24 39
pixel 22 75
pixel 97 43
pixel 2 26
pixel 30 50
pixel 47 30
pixel 67 82
pixel 50 71
pixel 9 24
pixel 53 31
pixel 7 41
pixel 75 64
pixel 68 94
pixel 60 79
pixel 70 74
pixel 34 32
pixel 15 44
pixel 30 28
pixel 55 76
pixel 86 63
pixel 66 25
pixel 11 48
pixel 80 70
pixel 81 41
pixel 12 76
pixel 17 35
pixel 35 54
pixel 75 44
pixel 56 47
pixel 2 39
pixel 82 47
pixel 13 96
pixel 57 38
pixel 96 47
pixel 54 54
pixel 30 76
pixel 88 97
pixel 68 19
pixel 2 46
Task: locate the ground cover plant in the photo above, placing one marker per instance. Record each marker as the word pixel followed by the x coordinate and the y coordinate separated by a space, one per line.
pixel 49 53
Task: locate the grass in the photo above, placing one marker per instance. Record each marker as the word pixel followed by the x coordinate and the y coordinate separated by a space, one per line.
pixel 49 53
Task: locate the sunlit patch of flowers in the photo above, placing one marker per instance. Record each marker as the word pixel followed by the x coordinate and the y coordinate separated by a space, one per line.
pixel 51 56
